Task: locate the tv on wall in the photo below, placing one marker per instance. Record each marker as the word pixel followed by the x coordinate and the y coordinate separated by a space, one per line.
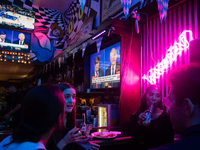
pixel 105 68
pixel 16 17
pixel 14 40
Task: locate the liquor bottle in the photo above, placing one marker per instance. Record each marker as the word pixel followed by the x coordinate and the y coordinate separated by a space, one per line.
pixel 148 118
pixel 83 129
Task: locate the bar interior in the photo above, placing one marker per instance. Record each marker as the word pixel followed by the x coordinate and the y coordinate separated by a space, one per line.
pixel 111 51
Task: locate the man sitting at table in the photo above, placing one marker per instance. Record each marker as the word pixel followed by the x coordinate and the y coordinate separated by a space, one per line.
pixel 184 106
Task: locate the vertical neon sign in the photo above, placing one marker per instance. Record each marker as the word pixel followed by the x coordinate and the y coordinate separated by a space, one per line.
pixel 170 57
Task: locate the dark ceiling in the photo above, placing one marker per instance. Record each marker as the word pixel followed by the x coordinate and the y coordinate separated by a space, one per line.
pixel 14 72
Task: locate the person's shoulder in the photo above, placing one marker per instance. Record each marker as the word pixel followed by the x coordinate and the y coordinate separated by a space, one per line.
pixel 16 42
pixel 100 70
pixel 108 68
pixel 5 141
pixel 25 42
pixel 92 73
pixel 7 40
pixel 117 63
pixel 31 146
pixel 179 145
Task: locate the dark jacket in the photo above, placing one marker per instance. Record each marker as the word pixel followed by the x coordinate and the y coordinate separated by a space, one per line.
pixel 17 42
pixel 101 74
pixel 189 140
pixel 159 132
pixel 108 71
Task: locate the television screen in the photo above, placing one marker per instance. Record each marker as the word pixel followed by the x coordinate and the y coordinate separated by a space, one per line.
pixel 14 40
pixel 105 68
pixel 16 17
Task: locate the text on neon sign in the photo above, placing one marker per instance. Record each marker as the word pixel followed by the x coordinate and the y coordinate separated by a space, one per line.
pixel 170 57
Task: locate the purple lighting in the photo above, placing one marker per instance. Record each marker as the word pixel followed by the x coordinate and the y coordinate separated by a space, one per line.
pixel 96 36
pixel 170 57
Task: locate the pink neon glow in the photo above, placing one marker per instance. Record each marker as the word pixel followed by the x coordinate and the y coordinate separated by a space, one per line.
pixel 170 57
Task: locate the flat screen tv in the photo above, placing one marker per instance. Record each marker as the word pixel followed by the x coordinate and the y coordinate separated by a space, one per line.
pixel 14 40
pixel 16 17
pixel 105 68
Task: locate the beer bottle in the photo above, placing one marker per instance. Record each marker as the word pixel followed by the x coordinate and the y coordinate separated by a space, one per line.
pixel 148 118
pixel 83 129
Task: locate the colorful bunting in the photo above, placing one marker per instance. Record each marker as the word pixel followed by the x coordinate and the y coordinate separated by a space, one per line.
pixel 82 3
pixel 74 51
pixel 59 61
pixel 141 3
pixel 84 47
pixel 99 43
pixel 137 18
pixel 126 4
pixel 162 8
pixel 64 58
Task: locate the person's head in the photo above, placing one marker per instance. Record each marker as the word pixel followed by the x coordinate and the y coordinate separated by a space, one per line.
pixel 96 63
pixel 69 93
pixel 56 30
pixel 184 97
pixel 152 95
pixel 2 34
pixel 11 89
pixel 42 111
pixel 113 56
pixel 21 37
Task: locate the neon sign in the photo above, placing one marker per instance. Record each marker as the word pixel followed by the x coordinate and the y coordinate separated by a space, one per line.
pixel 170 57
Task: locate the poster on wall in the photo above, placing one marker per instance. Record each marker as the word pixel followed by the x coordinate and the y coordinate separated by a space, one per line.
pixel 109 8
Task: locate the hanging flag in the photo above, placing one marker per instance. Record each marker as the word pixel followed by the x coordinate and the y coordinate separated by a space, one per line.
pixel 84 47
pixel 141 3
pixel 59 61
pixel 82 3
pixel 126 4
pixel 74 51
pixel 64 58
pixel 99 43
pixel 162 9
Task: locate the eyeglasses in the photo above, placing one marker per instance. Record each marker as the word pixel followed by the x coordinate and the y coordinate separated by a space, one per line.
pixel 167 102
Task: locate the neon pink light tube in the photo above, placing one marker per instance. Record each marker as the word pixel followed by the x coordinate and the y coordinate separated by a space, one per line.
pixel 170 57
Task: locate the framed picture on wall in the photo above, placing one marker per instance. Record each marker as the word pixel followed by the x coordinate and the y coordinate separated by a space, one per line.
pixel 109 8
pixel 86 27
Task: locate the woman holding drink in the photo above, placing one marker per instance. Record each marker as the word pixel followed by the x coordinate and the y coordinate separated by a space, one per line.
pixel 69 137
pixel 151 125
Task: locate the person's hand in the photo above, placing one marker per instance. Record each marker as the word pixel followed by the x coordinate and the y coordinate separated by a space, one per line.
pixel 72 136
pixel 88 145
pixel 142 117
pixel 7 116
